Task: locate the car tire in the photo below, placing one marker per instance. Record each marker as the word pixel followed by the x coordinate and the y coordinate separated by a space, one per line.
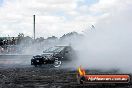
pixel 57 63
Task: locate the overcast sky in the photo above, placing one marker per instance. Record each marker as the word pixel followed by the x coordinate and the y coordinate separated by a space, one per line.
pixel 56 17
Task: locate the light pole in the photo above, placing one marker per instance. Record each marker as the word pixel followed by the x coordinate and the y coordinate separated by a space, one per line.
pixel 34 27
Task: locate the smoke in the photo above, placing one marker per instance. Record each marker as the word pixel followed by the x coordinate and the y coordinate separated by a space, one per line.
pixel 109 45
pixel 98 51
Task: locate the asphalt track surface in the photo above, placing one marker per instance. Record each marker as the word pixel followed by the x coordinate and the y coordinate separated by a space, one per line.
pixel 16 72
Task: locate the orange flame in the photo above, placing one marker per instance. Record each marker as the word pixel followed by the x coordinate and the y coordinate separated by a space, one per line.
pixel 81 71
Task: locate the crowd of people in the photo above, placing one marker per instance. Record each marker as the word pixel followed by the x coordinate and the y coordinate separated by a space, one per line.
pixel 8 45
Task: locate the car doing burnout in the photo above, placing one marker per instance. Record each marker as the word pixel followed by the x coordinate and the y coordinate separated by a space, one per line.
pixel 54 56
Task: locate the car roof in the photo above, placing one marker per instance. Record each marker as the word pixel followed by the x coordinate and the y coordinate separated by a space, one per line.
pixel 54 49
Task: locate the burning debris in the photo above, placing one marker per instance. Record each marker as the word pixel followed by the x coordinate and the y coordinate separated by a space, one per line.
pixel 81 71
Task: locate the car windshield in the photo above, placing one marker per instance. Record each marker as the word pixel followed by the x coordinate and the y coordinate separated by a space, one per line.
pixel 46 55
pixel 54 49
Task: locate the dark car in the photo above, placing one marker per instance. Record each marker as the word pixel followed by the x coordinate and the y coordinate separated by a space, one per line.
pixel 54 56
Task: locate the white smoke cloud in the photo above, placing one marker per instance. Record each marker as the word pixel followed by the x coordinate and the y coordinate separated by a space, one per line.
pixel 109 45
